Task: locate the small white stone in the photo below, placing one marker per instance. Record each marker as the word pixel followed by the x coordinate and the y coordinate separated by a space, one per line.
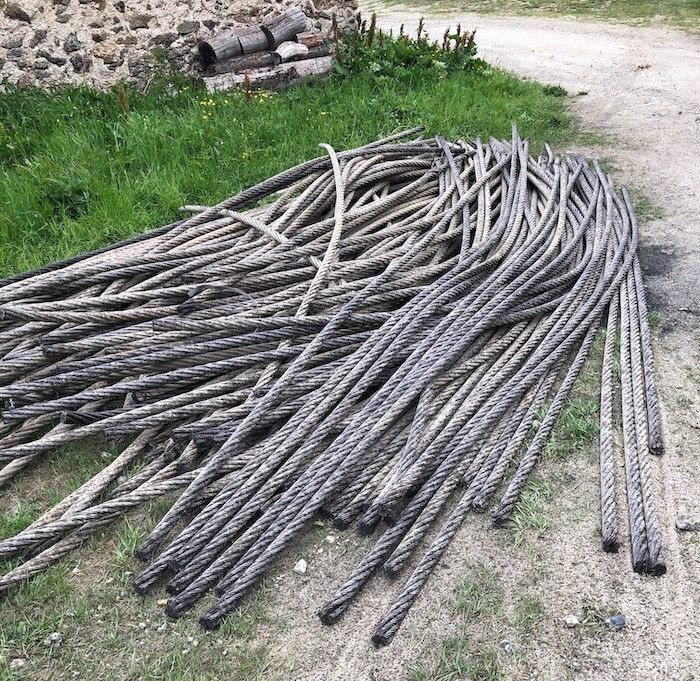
pixel 507 646
pixel 163 627
pixel 17 663
pixel 571 621
pixel 300 567
pixel 331 539
pixel 142 625
pixel 53 639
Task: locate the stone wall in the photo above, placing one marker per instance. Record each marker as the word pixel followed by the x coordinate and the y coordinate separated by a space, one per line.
pixel 100 42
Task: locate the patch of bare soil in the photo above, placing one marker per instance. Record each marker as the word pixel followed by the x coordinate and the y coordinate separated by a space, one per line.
pixel 637 88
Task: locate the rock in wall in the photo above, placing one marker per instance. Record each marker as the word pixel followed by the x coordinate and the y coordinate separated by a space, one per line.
pixel 101 42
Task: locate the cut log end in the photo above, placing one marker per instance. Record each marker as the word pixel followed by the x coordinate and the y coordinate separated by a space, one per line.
pixel 284 27
pixel 207 53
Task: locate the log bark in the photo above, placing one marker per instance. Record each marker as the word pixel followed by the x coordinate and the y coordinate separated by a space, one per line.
pixel 289 51
pixel 284 27
pixel 253 40
pixel 222 46
pixel 246 62
pixel 272 78
pixel 311 38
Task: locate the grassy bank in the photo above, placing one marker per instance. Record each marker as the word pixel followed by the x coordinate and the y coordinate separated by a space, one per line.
pixel 681 13
pixel 78 171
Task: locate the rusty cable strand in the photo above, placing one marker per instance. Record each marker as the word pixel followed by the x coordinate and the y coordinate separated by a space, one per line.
pixel 384 329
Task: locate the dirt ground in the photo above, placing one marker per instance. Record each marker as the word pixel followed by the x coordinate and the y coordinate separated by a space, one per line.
pixel 637 90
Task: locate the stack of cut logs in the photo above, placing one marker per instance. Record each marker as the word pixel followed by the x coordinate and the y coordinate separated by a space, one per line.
pixel 279 52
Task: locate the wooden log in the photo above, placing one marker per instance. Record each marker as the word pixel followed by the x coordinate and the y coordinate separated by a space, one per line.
pixel 289 51
pixel 311 38
pixel 284 27
pixel 313 52
pixel 253 40
pixel 320 51
pixel 272 78
pixel 222 46
pixel 245 62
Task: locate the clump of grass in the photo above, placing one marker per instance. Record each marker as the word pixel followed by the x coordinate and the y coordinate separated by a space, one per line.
pixel 529 612
pixel 594 616
pixel 479 593
pixel 645 208
pixel 530 511
pixel 467 653
pixel 458 658
pixel 654 319
pixel 404 57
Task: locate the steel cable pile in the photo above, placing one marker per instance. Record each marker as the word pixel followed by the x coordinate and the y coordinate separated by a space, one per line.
pixel 361 336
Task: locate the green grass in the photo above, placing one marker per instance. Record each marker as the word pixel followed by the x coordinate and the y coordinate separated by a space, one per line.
pixel 469 652
pixel 529 612
pixel 478 593
pixel 645 208
pixel 530 513
pixel 111 633
pixel 681 13
pixel 78 172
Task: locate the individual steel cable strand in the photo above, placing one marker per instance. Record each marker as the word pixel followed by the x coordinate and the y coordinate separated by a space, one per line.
pixel 657 563
pixel 388 626
pixel 329 258
pixel 154 234
pixel 608 503
pixel 527 463
pixel 84 495
pixel 656 441
pixel 52 554
pixel 641 560
pixel 113 508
